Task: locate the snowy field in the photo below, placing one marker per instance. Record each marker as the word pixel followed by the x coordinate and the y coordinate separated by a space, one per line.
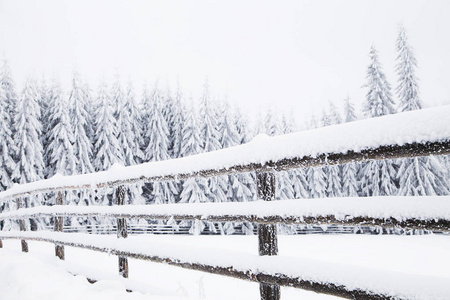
pixel 40 275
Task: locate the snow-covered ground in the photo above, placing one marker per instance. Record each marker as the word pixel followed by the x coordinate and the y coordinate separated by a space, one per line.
pixel 39 275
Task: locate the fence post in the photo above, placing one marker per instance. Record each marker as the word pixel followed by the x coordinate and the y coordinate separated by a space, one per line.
pixel 122 230
pixel 267 233
pixel 22 225
pixel 59 222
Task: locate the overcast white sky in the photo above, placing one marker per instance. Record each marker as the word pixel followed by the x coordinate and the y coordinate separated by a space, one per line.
pixel 294 55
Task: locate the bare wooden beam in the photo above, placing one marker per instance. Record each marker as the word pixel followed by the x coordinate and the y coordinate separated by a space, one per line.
pixel 59 223
pixel 122 230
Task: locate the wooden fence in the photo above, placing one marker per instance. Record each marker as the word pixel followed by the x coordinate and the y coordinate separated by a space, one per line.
pixel 267 225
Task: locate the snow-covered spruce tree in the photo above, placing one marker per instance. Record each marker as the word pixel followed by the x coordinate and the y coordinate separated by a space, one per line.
pixel 334 115
pixel 81 104
pixel 106 147
pixel 247 189
pixel 26 138
pixel 334 173
pixel 316 182
pixel 349 111
pixel 157 149
pixel 167 110
pixel 129 126
pixel 7 146
pixel 194 189
pixel 178 123
pixel 285 187
pixel 377 178
pixel 350 170
pixel 8 86
pixel 59 149
pixel 408 88
pixel 43 101
pixel 81 124
pixel 271 123
pixel 209 134
pixel 8 98
pixel 325 119
pixel 420 176
pixel 130 140
pixel 29 150
pixel 378 98
pixel 236 190
pixel 229 138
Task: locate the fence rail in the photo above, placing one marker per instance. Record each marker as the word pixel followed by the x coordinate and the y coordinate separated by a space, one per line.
pixel 429 135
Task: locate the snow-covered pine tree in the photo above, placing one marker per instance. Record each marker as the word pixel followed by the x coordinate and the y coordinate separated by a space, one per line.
pixel 285 187
pixel 350 170
pixel 8 99
pixel 349 180
pixel 194 189
pixel 333 114
pixel 349 111
pixel 26 138
pixel 316 182
pixel 178 123
pixel 59 148
pixel 209 134
pixel 420 176
pixel 378 98
pixel 377 178
pixel 29 150
pixel 8 86
pixel 129 127
pixel 259 125
pixel 7 146
pixel 106 147
pixel 157 149
pixel 248 181
pixel 43 92
pixel 271 123
pixel 408 88
pixel 333 173
pixel 229 137
pixel 167 111
pixel 325 119
pixel 81 124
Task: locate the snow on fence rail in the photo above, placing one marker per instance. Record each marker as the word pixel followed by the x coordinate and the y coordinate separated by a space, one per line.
pixel 408 212
pixel 351 282
pixel 411 134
